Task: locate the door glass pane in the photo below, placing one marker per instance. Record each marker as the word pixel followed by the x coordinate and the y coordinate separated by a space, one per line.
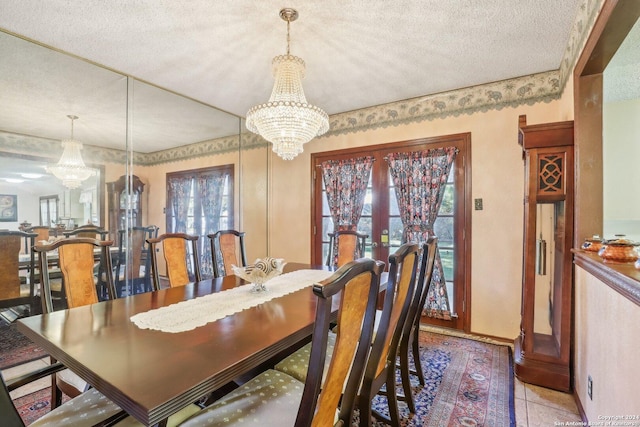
pixel 393 202
pixel 327 227
pixel 446 255
pixel 443 228
pixel 325 203
pixel 446 208
pixel 395 233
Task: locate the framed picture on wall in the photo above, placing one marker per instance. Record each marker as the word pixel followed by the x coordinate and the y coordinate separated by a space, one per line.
pixel 8 208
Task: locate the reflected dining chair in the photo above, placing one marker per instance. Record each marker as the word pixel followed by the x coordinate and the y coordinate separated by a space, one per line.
pixel 77 266
pixel 17 290
pixel 43 232
pixel 411 330
pixel 227 248
pixel 277 399
pixel 178 257
pixel 136 272
pixel 381 366
pixel 345 246
pixel 89 230
pixel 93 232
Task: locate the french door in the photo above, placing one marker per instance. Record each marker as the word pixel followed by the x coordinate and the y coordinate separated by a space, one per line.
pixel 381 216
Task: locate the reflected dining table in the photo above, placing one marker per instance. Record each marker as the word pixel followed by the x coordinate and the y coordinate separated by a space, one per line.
pixel 152 374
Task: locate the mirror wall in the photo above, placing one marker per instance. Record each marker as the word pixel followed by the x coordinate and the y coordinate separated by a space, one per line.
pixel 128 128
pixel 621 140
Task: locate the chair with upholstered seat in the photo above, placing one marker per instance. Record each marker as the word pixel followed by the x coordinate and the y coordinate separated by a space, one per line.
pixel 410 333
pixel 88 409
pixel 381 366
pixel 390 321
pixel 227 249
pixel 133 265
pixel 275 398
pixel 16 290
pixel 345 246
pixel 76 262
pixel 179 255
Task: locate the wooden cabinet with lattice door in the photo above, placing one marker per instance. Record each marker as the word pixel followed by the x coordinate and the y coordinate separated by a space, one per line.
pixel 542 350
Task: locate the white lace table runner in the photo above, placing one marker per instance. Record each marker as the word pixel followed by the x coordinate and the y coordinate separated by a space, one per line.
pixel 190 314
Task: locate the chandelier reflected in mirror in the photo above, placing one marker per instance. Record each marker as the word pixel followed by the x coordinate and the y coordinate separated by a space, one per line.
pixel 287 120
pixel 71 169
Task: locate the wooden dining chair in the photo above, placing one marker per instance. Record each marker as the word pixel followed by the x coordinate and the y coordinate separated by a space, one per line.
pixel 137 270
pixel 388 331
pixel 43 232
pixel 178 256
pixel 90 408
pixel 381 366
pixel 227 249
pixel 79 283
pixel 17 290
pixel 275 398
pixel 411 331
pixel 87 409
pixel 91 231
pixel 345 246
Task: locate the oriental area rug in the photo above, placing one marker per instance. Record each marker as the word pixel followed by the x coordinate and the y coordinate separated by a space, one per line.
pixel 15 348
pixel 468 382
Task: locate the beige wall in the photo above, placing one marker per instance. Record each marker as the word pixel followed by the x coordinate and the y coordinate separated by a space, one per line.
pixel 607 327
pixel 497 178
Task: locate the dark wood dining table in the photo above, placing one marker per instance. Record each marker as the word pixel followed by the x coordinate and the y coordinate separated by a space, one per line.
pixel 153 374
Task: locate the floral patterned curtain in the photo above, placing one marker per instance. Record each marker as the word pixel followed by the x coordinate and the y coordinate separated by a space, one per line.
pixel 210 189
pixel 346 184
pixel 179 193
pixel 419 178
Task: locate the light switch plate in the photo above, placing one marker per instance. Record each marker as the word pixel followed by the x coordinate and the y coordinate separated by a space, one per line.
pixel 478 204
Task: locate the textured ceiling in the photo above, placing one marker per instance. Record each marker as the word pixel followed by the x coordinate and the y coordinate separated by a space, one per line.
pixel 358 53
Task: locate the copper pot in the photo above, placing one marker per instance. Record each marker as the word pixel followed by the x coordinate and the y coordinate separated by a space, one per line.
pixel 619 250
pixel 592 244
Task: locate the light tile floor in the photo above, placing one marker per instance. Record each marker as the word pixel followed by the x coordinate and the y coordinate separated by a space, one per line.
pixel 538 406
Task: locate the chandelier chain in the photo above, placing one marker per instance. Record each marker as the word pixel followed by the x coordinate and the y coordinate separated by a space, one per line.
pixel 288 37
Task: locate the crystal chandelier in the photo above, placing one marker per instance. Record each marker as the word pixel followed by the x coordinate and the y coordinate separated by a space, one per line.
pixel 287 120
pixel 70 168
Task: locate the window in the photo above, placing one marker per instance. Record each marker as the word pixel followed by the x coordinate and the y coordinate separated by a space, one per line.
pixel 381 216
pixel 200 202
pixel 49 210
